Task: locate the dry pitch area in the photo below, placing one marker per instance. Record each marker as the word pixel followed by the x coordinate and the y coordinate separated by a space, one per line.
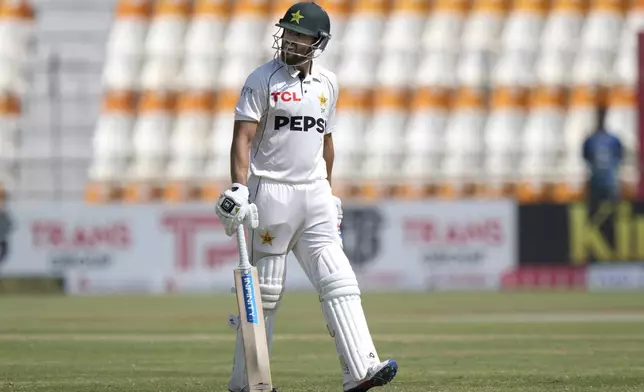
pixel 467 342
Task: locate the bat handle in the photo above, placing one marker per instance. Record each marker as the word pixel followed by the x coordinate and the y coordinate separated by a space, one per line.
pixel 243 251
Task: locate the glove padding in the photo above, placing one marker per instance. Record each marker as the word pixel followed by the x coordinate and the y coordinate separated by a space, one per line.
pixel 338 206
pixel 234 209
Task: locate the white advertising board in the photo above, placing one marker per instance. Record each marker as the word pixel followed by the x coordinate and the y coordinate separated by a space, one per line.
pixel 183 248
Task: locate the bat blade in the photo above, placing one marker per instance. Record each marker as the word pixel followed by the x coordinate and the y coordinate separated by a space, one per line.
pixel 253 331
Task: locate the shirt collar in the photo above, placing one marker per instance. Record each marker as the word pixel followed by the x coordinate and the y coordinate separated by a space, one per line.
pixel 294 72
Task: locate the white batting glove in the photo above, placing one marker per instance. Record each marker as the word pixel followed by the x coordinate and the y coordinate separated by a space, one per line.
pixel 234 209
pixel 338 206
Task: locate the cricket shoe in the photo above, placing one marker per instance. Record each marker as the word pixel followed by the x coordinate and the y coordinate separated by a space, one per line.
pixel 377 376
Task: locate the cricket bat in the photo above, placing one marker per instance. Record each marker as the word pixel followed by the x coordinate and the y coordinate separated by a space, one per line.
pixel 251 320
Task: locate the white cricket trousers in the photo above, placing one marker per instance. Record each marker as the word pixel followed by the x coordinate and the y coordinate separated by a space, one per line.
pixel 292 217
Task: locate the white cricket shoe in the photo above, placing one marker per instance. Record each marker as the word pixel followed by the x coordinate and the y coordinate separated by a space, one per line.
pixel 377 376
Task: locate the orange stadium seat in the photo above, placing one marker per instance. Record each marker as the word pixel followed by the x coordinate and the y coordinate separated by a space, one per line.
pixel 461 167
pixel 204 42
pixel 353 112
pixel 563 26
pixel 502 130
pixel 363 30
pixel 523 26
pixel 483 26
pixel 444 25
pixel 246 25
pixel 220 139
pixel 448 98
pixel 10 110
pixel 150 143
pixel 17 22
pixel 126 45
pixel 541 141
pixel 112 147
pixel 383 142
pixel 404 25
pixel 424 139
pixel 189 145
pixel 164 45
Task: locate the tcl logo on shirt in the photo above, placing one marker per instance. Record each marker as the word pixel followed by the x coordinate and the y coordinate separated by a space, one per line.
pixel 286 96
pixel 300 123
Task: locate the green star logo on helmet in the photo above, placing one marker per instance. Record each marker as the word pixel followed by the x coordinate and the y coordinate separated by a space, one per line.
pixel 296 16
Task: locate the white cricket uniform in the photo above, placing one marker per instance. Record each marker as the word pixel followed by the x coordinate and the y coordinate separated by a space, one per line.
pixel 296 209
pixel 288 173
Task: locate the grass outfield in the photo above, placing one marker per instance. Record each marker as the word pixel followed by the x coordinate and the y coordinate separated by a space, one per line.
pixel 466 342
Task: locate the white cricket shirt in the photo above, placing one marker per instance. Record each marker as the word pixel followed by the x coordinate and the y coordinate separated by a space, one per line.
pixel 293 116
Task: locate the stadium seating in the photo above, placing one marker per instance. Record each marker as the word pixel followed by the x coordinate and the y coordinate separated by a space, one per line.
pixel 445 98
pixel 16 33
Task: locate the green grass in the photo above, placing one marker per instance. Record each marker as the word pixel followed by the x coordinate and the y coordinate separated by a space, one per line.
pixel 465 342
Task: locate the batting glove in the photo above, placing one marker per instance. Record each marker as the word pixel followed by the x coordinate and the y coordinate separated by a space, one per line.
pixel 233 209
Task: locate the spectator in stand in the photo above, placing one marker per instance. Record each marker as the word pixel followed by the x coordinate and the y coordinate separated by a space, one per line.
pixel 603 152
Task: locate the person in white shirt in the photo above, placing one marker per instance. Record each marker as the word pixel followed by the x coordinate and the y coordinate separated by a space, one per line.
pixel 283 135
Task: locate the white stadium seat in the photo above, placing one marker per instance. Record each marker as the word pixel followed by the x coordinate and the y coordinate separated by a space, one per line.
pixel 221 136
pixel 603 26
pixel 112 141
pixel 189 139
pixel 514 68
pixel 473 69
pixel 552 68
pixel 503 128
pixel 444 25
pixel 424 135
pixel 16 30
pixel 351 123
pixel 127 35
pixel 204 38
pixel 165 38
pixel 396 68
pixel 151 136
pixel 436 68
pixel 580 122
pixel 483 26
pixel 9 126
pixel 404 25
pixel 363 30
pixel 523 26
pixel 383 142
pixel 246 25
pixel 563 26
pixel 464 138
pixel 541 143
pixel 158 74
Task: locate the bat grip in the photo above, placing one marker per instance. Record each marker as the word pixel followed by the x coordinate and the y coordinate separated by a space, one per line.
pixel 243 251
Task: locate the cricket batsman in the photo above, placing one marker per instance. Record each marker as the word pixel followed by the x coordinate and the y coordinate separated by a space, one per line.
pixel 283 134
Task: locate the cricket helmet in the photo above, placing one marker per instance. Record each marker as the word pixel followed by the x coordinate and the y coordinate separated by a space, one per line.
pixel 306 18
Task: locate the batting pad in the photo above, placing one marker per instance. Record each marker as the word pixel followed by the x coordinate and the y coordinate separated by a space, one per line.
pixel 342 308
pixel 348 326
pixel 271 271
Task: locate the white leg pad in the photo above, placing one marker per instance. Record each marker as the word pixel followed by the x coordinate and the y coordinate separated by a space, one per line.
pixel 271 273
pixel 346 321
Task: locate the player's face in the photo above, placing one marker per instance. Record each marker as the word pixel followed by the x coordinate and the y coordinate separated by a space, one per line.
pixel 296 47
